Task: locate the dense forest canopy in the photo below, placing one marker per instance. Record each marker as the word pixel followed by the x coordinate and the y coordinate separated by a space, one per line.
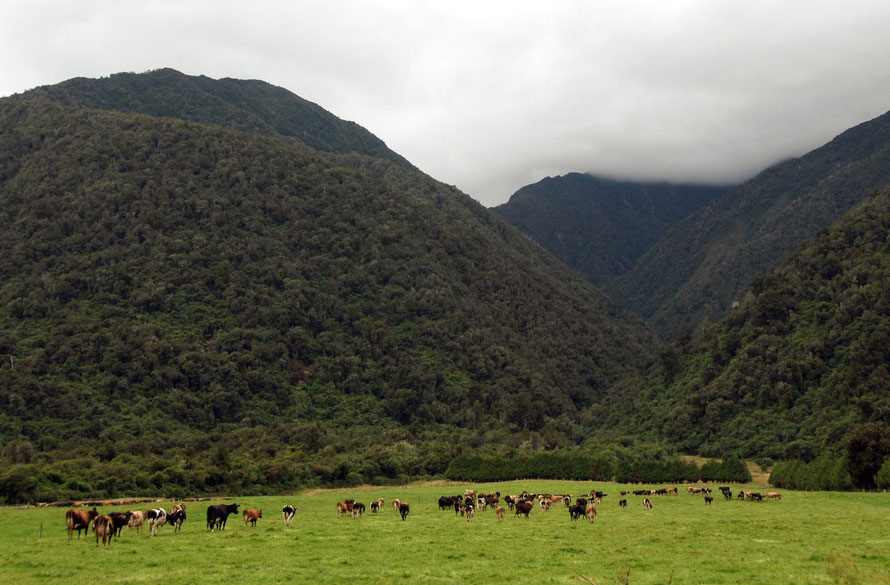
pixel 239 311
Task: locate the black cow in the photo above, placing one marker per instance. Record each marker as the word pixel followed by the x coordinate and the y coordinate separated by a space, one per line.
pixel 218 514
pixel 708 500
pixel 176 518
pixel 622 503
pixel 404 508
pixel 446 502
pixel 524 507
pixel 576 511
pixel 119 520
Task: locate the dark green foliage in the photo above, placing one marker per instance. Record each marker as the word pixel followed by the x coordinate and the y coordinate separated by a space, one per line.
pixel 597 226
pixel 707 260
pixel 791 371
pixel 194 309
pixel 824 473
pixel 868 447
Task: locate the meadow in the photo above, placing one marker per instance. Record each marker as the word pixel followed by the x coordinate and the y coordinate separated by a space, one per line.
pixel 806 537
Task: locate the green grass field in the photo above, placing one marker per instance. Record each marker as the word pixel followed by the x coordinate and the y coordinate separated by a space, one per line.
pixel 804 538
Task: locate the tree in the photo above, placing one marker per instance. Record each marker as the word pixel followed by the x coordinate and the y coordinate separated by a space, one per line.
pixel 867 449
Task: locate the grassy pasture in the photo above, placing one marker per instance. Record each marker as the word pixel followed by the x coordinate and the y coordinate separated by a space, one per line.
pixel 804 538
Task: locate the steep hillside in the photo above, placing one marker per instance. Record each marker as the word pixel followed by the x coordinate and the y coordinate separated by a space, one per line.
pixel 192 308
pixel 597 226
pixel 794 368
pixel 706 261
pixel 247 105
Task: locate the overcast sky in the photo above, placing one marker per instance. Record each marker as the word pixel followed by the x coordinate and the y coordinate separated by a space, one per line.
pixel 491 96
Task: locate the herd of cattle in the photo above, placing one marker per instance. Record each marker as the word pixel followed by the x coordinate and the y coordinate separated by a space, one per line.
pixel 466 505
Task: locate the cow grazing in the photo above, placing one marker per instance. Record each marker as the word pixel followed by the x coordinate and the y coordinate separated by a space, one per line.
pixel 727 494
pixel 156 519
pixel 380 503
pixel 590 512
pixel 374 507
pixel 404 508
pixel 288 513
pixel 622 503
pixel 647 504
pixel 499 512
pixel 119 520
pixel 251 516
pixel 357 509
pixel 218 514
pixel 446 502
pixel 708 500
pixel 523 507
pixel 773 495
pixel 137 519
pixel 103 526
pixel 79 520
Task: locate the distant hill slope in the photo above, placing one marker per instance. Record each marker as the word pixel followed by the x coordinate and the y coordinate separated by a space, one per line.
pixel 794 368
pixel 597 226
pixel 206 309
pixel 706 261
pixel 247 105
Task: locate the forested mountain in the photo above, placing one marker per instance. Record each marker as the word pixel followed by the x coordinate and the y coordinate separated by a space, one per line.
pixel 794 369
pixel 706 261
pixel 186 307
pixel 598 226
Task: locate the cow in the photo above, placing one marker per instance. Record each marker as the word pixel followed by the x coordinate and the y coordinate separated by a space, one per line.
pixel 176 518
pixel 622 503
pixel 374 507
pixel 590 512
pixel 545 505
pixel 671 491
pixel 79 520
pixel 511 501
pixel 471 511
pixel 251 515
pixel 576 512
pixel 396 505
pixel 708 500
pixel 727 494
pixel 647 504
pixel 103 526
pixel 218 514
pixel 499 512
pixel 482 503
pixel 404 508
pixel 523 507
pixel 773 495
pixel 342 508
pixel 156 519
pixel 288 513
pixel 358 509
pixel 446 502
pixel 380 503
pixel 137 519
pixel 120 519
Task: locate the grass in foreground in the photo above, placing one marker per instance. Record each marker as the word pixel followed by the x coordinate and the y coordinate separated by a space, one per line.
pixel 804 538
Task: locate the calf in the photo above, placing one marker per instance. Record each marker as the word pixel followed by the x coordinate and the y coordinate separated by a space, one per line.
pixel 622 503
pixel 647 504
pixel 137 519
pixel 156 519
pixel 499 512
pixel 119 520
pixel 773 495
pixel 471 511
pixel 590 512
pixel 176 518
pixel 103 526
pixel 374 507
pixel 79 520
pixel 218 514
pixel 251 515
pixel 523 507
pixel 404 508
pixel 288 513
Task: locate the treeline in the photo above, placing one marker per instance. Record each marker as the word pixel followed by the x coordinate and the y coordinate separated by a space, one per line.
pixel 580 466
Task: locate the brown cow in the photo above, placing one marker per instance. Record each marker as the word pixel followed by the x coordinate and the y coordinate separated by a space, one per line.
pixel 773 495
pixel 251 515
pixel 396 504
pixel 590 512
pixel 137 519
pixel 499 512
pixel 342 508
pixel 103 526
pixel 79 520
